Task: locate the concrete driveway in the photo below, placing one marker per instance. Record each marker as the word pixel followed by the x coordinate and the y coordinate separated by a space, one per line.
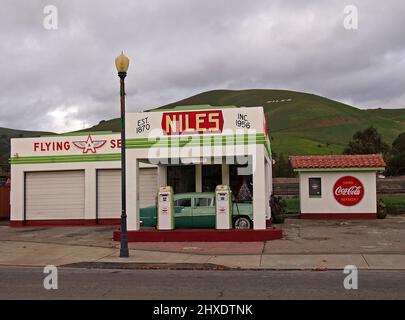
pixel 300 236
pixel 307 244
pixel 327 236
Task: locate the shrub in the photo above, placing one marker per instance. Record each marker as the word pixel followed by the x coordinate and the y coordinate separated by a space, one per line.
pixel 381 209
pixel 278 209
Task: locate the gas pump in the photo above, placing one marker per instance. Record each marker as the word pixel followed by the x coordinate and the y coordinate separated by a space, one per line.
pixel 165 214
pixel 223 207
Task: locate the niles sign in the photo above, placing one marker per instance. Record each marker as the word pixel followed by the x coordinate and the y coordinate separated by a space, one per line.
pixel 348 191
pixel 192 122
pixel 87 145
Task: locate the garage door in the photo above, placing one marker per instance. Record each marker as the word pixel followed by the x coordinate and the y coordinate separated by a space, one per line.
pixel 148 186
pixel 54 195
pixel 109 191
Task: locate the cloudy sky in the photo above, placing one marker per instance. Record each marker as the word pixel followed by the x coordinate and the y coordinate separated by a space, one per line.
pixel 65 79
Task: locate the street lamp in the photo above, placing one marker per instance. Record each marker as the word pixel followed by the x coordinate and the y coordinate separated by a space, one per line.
pixel 122 63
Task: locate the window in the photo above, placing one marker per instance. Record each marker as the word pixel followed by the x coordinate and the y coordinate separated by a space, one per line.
pixel 186 202
pixel 211 177
pixel 203 202
pixel 241 185
pixel 181 178
pixel 315 189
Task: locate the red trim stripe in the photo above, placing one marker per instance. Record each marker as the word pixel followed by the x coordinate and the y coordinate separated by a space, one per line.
pixel 338 216
pixel 201 235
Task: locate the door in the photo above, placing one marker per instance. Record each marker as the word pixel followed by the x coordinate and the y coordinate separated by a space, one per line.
pixel 148 187
pixel 4 202
pixel 54 195
pixel 109 191
pixel 108 194
pixel 182 213
pixel 204 212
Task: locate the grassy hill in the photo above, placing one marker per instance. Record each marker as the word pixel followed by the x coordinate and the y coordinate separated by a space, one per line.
pixel 5 135
pixel 299 123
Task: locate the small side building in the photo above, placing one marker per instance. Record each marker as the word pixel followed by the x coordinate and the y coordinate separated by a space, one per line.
pixel 338 186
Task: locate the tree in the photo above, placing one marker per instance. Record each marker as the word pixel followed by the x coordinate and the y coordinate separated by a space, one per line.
pixel 282 167
pixel 244 193
pixel 398 145
pixel 367 142
pixel 396 163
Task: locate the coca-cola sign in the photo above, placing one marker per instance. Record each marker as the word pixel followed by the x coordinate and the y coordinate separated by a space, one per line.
pixel 348 191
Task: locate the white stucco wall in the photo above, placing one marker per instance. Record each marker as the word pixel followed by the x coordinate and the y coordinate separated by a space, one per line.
pixel 327 202
pixel 17 185
pixel 25 147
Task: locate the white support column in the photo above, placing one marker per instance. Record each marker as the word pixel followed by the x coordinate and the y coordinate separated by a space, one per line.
pixel 132 194
pixel 162 175
pixel 17 193
pixel 259 186
pixel 90 187
pixel 300 190
pixel 225 174
pixel 266 186
pixel 198 178
pixel 373 186
pixel 270 172
pixel 269 187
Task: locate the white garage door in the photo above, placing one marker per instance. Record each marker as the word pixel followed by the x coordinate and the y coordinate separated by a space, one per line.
pixel 108 194
pixel 54 195
pixel 148 186
pixel 109 191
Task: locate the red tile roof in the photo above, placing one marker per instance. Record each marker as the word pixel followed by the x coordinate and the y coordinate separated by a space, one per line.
pixel 337 161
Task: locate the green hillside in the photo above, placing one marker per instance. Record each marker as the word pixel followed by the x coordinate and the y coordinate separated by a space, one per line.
pixel 299 123
pixel 5 135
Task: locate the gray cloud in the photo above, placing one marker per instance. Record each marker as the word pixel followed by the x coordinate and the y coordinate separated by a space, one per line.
pixel 64 79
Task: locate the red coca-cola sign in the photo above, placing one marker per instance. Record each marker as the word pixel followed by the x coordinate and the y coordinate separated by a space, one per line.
pixel 348 191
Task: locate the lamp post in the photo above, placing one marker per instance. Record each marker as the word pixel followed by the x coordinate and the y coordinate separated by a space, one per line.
pixel 122 63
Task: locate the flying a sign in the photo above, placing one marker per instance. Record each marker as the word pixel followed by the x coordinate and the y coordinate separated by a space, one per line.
pixel 86 145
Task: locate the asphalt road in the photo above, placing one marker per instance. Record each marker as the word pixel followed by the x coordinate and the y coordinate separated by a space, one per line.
pixel 74 283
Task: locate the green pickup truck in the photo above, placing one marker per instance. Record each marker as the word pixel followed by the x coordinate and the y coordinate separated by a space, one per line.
pixel 197 210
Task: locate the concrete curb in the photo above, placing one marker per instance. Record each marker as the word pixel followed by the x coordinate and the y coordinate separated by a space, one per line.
pixel 147 266
pixel 192 266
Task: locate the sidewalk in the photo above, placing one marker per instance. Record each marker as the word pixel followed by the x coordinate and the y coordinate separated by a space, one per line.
pixel 41 254
pixel 308 245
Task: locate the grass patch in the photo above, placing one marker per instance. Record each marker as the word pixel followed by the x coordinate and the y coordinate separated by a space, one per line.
pixel 295 145
pixel 395 203
pixel 293 205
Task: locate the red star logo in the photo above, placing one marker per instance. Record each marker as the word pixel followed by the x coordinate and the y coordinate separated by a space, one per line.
pixel 89 144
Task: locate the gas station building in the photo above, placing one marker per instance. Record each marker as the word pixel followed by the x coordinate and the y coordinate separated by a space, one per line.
pixel 75 179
